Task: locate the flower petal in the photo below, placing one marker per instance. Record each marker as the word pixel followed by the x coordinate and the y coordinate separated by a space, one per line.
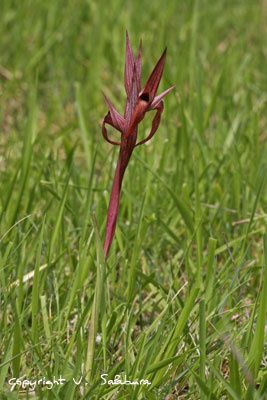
pixel 117 120
pixel 155 124
pixel 131 100
pixel 153 81
pixel 108 120
pixel 129 66
pixel 138 65
pixel 158 98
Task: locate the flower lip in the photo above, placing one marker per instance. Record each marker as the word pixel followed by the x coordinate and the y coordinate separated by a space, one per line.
pixel 145 97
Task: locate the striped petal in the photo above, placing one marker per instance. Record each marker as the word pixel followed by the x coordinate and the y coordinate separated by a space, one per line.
pixel 131 100
pixel 138 65
pixel 129 66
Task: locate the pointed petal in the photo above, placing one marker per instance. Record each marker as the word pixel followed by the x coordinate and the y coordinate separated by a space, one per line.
pixel 108 120
pixel 155 124
pixel 153 81
pixel 158 98
pixel 138 65
pixel 129 65
pixel 117 119
pixel 131 99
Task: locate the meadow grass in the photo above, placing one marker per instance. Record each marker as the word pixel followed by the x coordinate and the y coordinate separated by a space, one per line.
pixel 182 300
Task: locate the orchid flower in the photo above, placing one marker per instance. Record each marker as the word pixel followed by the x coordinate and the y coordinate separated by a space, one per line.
pixel 139 102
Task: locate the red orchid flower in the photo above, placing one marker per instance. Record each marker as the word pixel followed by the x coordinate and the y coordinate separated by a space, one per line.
pixel 138 103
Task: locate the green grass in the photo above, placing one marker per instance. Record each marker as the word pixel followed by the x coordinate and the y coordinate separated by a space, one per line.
pixel 182 299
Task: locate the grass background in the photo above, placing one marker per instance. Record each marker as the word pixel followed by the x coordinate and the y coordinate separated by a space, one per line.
pixel 182 300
